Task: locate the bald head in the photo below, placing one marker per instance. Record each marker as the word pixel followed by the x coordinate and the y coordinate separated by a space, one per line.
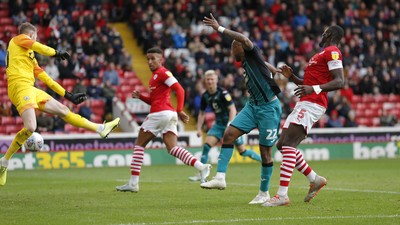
pixel 237 50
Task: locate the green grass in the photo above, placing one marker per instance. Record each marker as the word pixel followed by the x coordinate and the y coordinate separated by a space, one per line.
pixel 358 192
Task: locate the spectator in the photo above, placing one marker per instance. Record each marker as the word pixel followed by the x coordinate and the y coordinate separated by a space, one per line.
pixel 350 121
pixel 85 110
pixel 111 75
pixel 109 94
pixel 334 120
pixel 3 53
pixel 65 70
pixel 387 119
pixel 45 123
pixel 52 70
pixel 94 90
pixel 80 87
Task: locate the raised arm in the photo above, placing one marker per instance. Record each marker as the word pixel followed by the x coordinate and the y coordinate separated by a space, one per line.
pixel 212 22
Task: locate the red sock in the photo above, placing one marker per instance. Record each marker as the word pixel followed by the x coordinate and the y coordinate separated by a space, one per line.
pixel 184 155
pixel 137 160
pixel 301 165
pixel 287 165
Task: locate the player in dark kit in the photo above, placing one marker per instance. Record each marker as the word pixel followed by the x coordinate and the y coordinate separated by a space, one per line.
pixel 225 111
pixel 262 111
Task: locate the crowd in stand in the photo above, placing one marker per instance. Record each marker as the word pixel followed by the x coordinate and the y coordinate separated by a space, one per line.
pixel 98 58
pixel 287 32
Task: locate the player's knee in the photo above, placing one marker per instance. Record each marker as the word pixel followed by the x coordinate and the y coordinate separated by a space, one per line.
pixel 31 127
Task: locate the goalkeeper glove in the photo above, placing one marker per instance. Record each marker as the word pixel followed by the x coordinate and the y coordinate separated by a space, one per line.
pixel 75 98
pixel 62 55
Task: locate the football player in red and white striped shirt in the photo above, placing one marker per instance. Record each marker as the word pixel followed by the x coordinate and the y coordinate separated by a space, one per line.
pixel 323 74
pixel 163 119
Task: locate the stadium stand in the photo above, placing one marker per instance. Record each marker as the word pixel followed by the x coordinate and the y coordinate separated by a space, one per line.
pixel 288 32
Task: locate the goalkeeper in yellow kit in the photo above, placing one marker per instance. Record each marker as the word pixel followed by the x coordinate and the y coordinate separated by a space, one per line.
pixel 22 69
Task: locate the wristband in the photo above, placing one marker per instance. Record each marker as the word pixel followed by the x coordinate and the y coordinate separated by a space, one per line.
pixel 317 89
pixel 221 29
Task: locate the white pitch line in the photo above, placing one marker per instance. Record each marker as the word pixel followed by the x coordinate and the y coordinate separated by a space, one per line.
pixel 271 219
pixel 334 189
pixel 326 188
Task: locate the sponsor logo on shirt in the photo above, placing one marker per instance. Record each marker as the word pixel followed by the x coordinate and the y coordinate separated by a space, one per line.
pixel 335 55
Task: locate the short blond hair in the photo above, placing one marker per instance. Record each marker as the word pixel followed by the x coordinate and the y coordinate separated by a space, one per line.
pixel 209 73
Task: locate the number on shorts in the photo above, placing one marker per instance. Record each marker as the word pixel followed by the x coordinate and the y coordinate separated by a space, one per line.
pixel 272 134
pixel 301 114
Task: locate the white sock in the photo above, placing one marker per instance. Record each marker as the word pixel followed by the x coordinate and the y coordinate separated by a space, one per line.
pixel 220 175
pixel 198 165
pixel 4 162
pixel 134 179
pixel 311 176
pixel 282 191
pixel 100 128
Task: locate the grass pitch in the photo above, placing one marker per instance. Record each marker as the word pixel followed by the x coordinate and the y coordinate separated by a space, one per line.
pixel 358 192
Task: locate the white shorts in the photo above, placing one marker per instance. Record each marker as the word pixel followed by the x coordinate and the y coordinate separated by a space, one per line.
pixel 161 122
pixel 306 114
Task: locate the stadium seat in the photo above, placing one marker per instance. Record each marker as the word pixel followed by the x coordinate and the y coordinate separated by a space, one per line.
pixel 12 129
pixel 6 21
pixel 362 121
pixel 7 120
pixel 97 103
pixel 3 5
pixel 4 13
pixel 98 111
pixel 394 98
pixel 381 98
pixel 357 99
pixel 129 74
pixel 96 118
pixel 70 129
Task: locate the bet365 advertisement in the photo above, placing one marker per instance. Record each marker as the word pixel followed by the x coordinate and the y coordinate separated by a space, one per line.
pixel 88 151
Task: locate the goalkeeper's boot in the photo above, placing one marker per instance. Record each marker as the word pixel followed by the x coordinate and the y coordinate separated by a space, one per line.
pixel 215 183
pixel 3 171
pixel 128 187
pixel 315 186
pixel 196 177
pixel 108 127
pixel 277 200
pixel 260 198
pixel 205 172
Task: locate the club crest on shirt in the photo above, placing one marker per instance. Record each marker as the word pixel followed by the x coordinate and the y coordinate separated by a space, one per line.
pixel 335 55
pixel 228 97
pixel 26 98
pixel 155 76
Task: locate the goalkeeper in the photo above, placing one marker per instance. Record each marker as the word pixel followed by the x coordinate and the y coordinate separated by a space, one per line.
pixel 22 69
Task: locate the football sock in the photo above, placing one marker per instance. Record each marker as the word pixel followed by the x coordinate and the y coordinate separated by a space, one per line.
pixel 16 144
pixel 79 121
pixel 224 156
pixel 204 154
pixel 137 160
pixel 266 173
pixel 252 154
pixel 220 175
pixel 287 167
pixel 186 157
pixel 303 167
